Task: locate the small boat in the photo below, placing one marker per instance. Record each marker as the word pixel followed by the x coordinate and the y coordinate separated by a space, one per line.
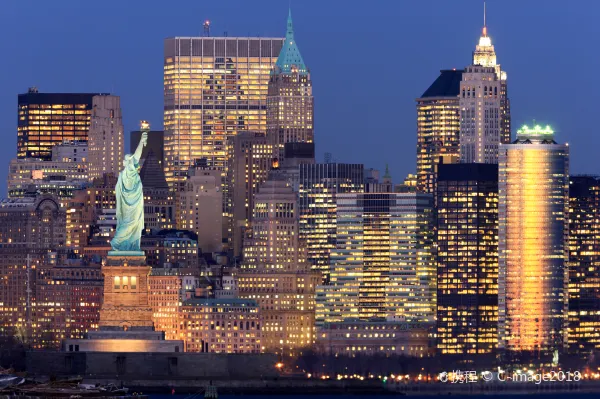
pixel 211 392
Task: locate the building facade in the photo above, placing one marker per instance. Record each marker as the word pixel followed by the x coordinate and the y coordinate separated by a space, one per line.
pixel 67 302
pixel 584 264
pixel 62 179
pixel 47 119
pixel 383 264
pixel 319 186
pixel 467 258
pixel 290 104
pixel 438 127
pixel 168 289
pixel 215 87
pixel 220 325
pixel 106 139
pixel 171 248
pixel 30 229
pixel 374 337
pixel 84 208
pixel 275 272
pixel 201 208
pixel 159 201
pixel 533 239
pixel 480 115
pixel 251 159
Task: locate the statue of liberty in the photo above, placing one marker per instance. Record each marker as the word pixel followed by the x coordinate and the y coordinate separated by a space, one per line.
pixel 130 203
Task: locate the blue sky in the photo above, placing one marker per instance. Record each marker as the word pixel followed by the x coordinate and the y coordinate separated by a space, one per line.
pixel 369 60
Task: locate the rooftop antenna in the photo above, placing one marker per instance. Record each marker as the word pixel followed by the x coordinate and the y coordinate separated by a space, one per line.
pixel 484 22
pixel 206 26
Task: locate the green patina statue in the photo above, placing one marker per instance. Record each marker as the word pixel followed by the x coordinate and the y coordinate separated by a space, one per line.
pixel 130 203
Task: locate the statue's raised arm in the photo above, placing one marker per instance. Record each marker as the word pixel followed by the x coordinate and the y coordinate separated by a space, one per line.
pixel 130 202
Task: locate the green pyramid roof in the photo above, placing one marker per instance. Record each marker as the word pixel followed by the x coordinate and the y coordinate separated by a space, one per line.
pixel 290 54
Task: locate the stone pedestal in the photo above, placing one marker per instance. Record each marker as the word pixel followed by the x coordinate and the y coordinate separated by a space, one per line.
pixel 125 316
pixel 125 302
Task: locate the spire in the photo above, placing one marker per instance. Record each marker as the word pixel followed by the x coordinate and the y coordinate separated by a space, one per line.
pixel 484 53
pixel 289 34
pixel 484 24
pixel 387 172
pixel 290 58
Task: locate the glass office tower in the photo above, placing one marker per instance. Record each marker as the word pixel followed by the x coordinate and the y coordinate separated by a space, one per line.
pixel 47 119
pixel 319 186
pixel 382 265
pixel 214 87
pixel 467 258
pixel 533 232
pixel 584 264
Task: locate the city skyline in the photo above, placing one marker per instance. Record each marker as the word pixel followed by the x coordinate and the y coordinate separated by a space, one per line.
pixel 419 60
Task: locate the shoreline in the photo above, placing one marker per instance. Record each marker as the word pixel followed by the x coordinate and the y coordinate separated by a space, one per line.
pixel 294 386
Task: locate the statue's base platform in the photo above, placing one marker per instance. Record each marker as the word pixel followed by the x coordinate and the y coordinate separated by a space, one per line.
pixel 126 253
pixel 116 339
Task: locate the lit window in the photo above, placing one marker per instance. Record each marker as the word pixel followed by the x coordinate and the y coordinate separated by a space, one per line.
pixel 117 282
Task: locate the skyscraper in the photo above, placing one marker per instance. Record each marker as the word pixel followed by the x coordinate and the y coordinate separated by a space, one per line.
pixel 584 264
pixel 201 206
pixel 47 119
pixel 467 258
pixel 319 187
pixel 438 126
pixel 214 87
pixel 480 112
pixel 533 214
pixel 485 55
pixel 484 105
pixel 290 105
pixel 275 272
pixel 382 265
pixel 250 157
pixel 159 204
pixel 105 138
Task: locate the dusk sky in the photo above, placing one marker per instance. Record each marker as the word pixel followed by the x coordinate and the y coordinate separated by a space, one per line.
pixel 369 60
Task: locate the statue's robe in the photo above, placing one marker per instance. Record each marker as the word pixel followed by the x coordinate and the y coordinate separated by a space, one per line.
pixel 130 208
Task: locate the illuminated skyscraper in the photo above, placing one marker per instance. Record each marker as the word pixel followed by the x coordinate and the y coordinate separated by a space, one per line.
pixel 533 214
pixel 105 139
pixel 479 102
pixel 382 264
pixel 47 119
pixel 485 55
pixel 467 258
pixel 319 186
pixel 484 105
pixel 438 126
pixel 250 159
pixel 214 88
pixel 584 264
pixel 275 272
pixel 290 105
